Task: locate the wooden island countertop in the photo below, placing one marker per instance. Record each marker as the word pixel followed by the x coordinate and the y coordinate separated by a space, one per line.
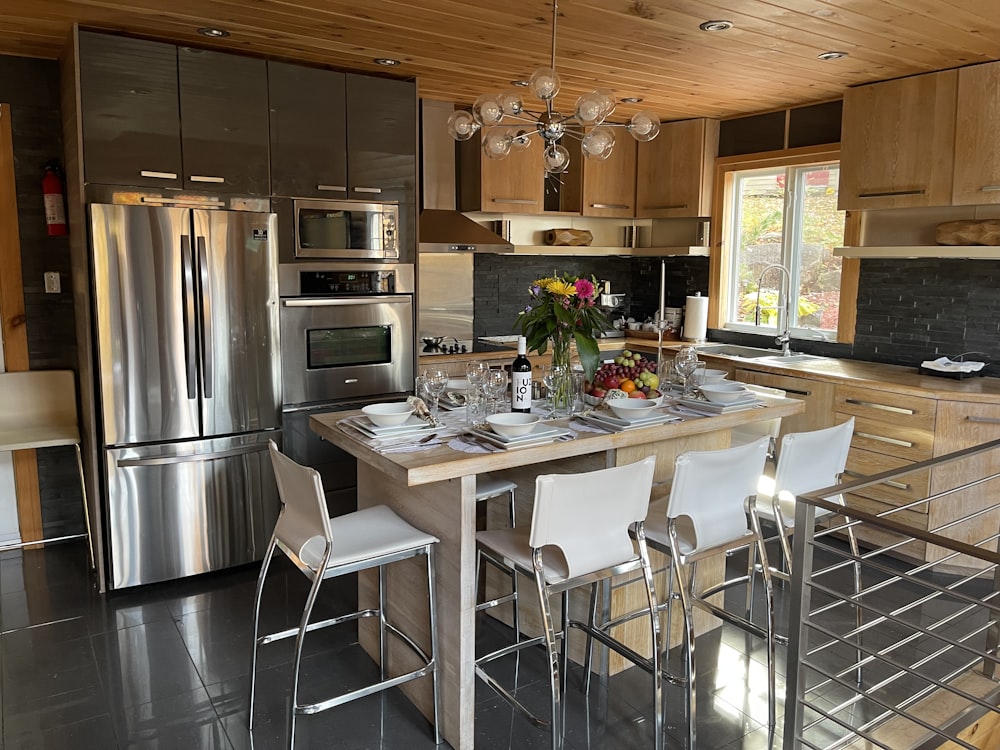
pixel 435 490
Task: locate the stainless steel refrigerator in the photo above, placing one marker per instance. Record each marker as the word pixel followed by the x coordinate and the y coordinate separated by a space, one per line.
pixel 189 386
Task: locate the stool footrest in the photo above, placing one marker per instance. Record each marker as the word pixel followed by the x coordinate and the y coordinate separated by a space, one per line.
pixel 315 708
pixel 290 632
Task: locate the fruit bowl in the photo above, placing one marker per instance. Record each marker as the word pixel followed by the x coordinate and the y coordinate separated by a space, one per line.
pixel 388 415
pixel 512 424
pixel 632 408
pixel 724 393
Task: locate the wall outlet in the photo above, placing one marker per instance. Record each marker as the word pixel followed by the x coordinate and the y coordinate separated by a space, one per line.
pixel 53 284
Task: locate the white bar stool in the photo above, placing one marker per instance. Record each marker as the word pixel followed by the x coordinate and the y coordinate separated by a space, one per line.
pixel 578 538
pixel 487 488
pixel 369 538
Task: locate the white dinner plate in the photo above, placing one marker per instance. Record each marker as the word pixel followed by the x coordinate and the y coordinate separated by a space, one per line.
pixel 365 425
pixel 611 422
pixel 543 433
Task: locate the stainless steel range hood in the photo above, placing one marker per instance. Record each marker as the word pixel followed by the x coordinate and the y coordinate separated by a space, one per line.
pixel 442 228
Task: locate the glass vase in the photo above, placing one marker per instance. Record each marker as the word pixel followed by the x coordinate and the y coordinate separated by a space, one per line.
pixel 561 394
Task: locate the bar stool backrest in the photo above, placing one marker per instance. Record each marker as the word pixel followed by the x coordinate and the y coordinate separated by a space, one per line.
pixel 811 461
pixel 303 526
pixel 710 489
pixel 587 516
pixel 38 399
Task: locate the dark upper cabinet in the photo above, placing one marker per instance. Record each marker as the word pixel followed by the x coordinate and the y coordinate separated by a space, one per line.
pixel 155 115
pixel 130 115
pixel 224 133
pixel 381 138
pixel 308 131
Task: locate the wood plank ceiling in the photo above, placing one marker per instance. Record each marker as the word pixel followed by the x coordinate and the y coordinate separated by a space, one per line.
pixel 458 49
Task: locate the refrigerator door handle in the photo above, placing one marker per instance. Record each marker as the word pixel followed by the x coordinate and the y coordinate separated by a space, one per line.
pixel 190 340
pixel 189 458
pixel 207 340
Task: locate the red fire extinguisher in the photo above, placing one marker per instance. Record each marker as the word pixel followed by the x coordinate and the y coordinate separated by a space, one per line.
pixel 52 194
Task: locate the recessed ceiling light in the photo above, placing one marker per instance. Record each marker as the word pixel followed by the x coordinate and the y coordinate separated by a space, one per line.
pixel 520 84
pixel 387 61
pixel 213 32
pixel 716 26
pixel 822 13
pixel 631 100
pixel 832 55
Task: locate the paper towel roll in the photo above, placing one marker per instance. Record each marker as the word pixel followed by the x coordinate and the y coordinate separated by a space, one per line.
pixel 696 319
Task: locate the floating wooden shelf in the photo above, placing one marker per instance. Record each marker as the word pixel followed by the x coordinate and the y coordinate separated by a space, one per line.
pixel 636 252
pixel 921 251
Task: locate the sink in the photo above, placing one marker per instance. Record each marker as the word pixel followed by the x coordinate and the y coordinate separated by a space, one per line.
pixel 792 358
pixel 734 350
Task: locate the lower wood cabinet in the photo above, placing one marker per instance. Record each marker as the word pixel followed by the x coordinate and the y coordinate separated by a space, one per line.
pixel 816 394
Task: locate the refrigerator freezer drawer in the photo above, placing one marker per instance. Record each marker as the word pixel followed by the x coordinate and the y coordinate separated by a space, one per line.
pixel 187 508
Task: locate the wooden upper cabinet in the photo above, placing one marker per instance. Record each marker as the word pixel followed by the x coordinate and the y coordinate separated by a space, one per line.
pixel 675 170
pixel 224 133
pixel 515 184
pixel 977 154
pixel 609 185
pixel 130 111
pixel 897 143
pixel 308 131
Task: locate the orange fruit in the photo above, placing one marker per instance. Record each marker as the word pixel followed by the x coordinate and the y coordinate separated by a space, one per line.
pixel 627 385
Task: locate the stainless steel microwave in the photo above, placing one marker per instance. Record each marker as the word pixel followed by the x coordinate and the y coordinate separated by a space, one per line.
pixel 345 230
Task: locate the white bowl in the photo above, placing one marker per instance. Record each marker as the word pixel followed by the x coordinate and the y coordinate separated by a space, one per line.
pixel 458 384
pixel 714 376
pixel 724 393
pixel 632 408
pixel 513 424
pixel 388 415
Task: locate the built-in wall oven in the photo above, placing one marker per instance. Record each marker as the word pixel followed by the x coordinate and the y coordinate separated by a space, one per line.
pixel 347 333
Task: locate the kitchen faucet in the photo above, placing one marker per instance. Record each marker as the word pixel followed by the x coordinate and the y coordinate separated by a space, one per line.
pixel 784 339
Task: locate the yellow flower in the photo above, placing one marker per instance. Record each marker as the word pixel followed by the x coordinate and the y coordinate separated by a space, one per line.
pixel 560 288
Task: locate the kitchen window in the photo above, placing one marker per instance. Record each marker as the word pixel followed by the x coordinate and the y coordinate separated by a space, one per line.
pixel 780 209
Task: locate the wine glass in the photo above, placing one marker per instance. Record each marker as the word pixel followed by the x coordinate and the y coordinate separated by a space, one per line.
pixel 495 385
pixel 436 382
pixel 552 376
pixel 475 371
pixel 685 364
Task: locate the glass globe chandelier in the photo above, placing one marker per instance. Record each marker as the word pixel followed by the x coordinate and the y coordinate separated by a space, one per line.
pixel 498 116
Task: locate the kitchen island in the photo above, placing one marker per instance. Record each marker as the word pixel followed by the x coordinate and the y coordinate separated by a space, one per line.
pixel 435 490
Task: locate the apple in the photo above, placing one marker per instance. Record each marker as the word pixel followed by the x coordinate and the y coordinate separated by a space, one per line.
pixel 598 392
pixel 611 382
pixel 637 394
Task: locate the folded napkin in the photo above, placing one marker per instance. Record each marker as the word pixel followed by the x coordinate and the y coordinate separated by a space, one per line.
pixel 943 364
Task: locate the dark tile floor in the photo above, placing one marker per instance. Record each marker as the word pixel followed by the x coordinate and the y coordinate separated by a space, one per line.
pixel 166 666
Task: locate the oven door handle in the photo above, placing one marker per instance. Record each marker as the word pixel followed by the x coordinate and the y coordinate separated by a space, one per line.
pixel 397 299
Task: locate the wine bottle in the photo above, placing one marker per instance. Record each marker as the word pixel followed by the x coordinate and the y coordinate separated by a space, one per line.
pixel 520 372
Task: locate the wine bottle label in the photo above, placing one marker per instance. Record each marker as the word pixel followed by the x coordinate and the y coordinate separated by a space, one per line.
pixel 521 391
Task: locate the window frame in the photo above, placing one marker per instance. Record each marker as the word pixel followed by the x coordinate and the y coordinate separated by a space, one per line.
pixel 719 260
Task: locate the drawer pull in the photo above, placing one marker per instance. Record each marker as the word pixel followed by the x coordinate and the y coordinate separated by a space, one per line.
pixel 158 175
pixel 888 482
pixel 206 178
pixel 884 407
pixel 990 188
pixel 795 391
pixel 332 188
pixel 367 190
pixel 665 208
pixel 883 439
pixel 984 420
pixel 609 205
pixel 522 201
pixel 890 193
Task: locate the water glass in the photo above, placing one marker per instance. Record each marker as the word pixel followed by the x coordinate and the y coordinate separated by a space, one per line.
pixel 475 406
pixel 577 404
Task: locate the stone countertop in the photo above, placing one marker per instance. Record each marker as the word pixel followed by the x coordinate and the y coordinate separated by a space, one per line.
pixel 874 375
pixel 442 463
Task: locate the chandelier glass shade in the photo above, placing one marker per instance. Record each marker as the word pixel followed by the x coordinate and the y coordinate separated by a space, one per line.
pixel 507 125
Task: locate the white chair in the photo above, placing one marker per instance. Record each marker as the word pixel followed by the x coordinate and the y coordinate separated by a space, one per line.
pixel 487 488
pixel 321 548
pixel 704 516
pixel 577 538
pixel 38 410
pixel 807 461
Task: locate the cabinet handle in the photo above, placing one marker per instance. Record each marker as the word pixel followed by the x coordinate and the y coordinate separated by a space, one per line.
pixel 336 188
pixel 887 483
pixel 203 178
pixel 665 208
pixel 159 175
pixel 524 201
pixel 984 420
pixel 889 193
pixel 796 392
pixel 609 205
pixel 990 188
pixel 884 407
pixel 883 439
pixel 367 190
